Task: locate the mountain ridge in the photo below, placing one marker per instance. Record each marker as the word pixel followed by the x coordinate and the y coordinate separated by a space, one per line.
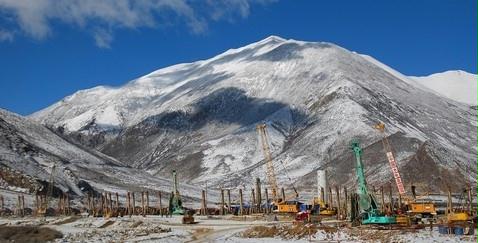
pixel 200 117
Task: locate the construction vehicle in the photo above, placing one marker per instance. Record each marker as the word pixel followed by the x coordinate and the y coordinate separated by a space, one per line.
pixel 367 204
pixel 175 203
pixel 415 209
pixel 281 205
pixel 455 215
pixel 41 211
pixel 288 207
pixel 322 208
pixel 188 217
pixel 319 205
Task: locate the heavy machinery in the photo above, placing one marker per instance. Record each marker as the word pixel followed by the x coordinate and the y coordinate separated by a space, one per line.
pixel 281 205
pixel 415 208
pixel 188 217
pixel 323 208
pixel 319 205
pixel 455 215
pixel 44 202
pixel 175 203
pixel 367 204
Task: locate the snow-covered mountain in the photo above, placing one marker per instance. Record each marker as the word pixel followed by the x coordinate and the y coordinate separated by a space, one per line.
pixel 200 118
pixel 457 85
pixel 29 150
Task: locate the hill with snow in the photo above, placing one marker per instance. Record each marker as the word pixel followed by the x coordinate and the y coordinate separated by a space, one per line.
pixel 28 152
pixel 199 118
pixel 457 85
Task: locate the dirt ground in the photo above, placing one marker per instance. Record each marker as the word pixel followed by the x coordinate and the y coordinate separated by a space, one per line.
pixel 206 229
pixel 28 234
pixel 295 231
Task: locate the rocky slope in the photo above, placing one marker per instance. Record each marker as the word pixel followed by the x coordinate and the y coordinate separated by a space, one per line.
pixel 200 118
pixel 29 150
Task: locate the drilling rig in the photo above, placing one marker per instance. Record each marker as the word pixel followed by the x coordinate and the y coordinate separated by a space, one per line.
pixel 175 203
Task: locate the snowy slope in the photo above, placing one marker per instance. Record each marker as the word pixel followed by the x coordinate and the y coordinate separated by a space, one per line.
pixel 29 150
pixel 200 118
pixel 457 85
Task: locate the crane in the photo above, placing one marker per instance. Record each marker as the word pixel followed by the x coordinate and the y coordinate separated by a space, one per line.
pixel 271 176
pixel 367 203
pixel 391 159
pixel 282 205
pixel 418 209
pixel 49 193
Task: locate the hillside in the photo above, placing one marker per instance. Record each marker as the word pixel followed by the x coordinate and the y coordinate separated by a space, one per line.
pixel 28 152
pixel 200 118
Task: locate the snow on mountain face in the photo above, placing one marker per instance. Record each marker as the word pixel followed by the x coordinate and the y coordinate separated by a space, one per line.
pixel 29 150
pixel 456 85
pixel 199 118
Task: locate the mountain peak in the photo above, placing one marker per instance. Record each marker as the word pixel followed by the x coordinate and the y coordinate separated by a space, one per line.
pixel 273 38
pixel 457 85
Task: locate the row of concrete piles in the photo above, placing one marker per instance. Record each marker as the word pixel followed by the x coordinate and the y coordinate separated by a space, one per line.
pixel 108 204
pixel 257 204
pixel 20 210
pixel 337 198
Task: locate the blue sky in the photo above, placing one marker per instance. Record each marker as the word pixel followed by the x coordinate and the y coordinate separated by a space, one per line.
pixel 48 52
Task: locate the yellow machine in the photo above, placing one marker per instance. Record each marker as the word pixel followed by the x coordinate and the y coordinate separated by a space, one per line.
pixel 324 209
pixel 402 219
pixel 416 207
pixel 422 208
pixel 455 215
pixel 282 204
pixel 287 207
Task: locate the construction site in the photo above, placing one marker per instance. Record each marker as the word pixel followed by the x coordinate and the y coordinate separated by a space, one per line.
pixel 263 212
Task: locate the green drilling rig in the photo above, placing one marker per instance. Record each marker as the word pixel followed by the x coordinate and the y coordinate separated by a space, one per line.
pixel 369 212
pixel 175 203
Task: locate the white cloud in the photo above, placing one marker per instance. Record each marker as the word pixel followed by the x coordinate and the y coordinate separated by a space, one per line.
pixel 101 17
pixel 103 38
pixel 6 35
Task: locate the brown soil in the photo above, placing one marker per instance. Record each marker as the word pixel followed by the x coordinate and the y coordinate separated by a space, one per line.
pixel 28 234
pixel 297 231
pixel 107 224
pixel 198 233
pixel 67 220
